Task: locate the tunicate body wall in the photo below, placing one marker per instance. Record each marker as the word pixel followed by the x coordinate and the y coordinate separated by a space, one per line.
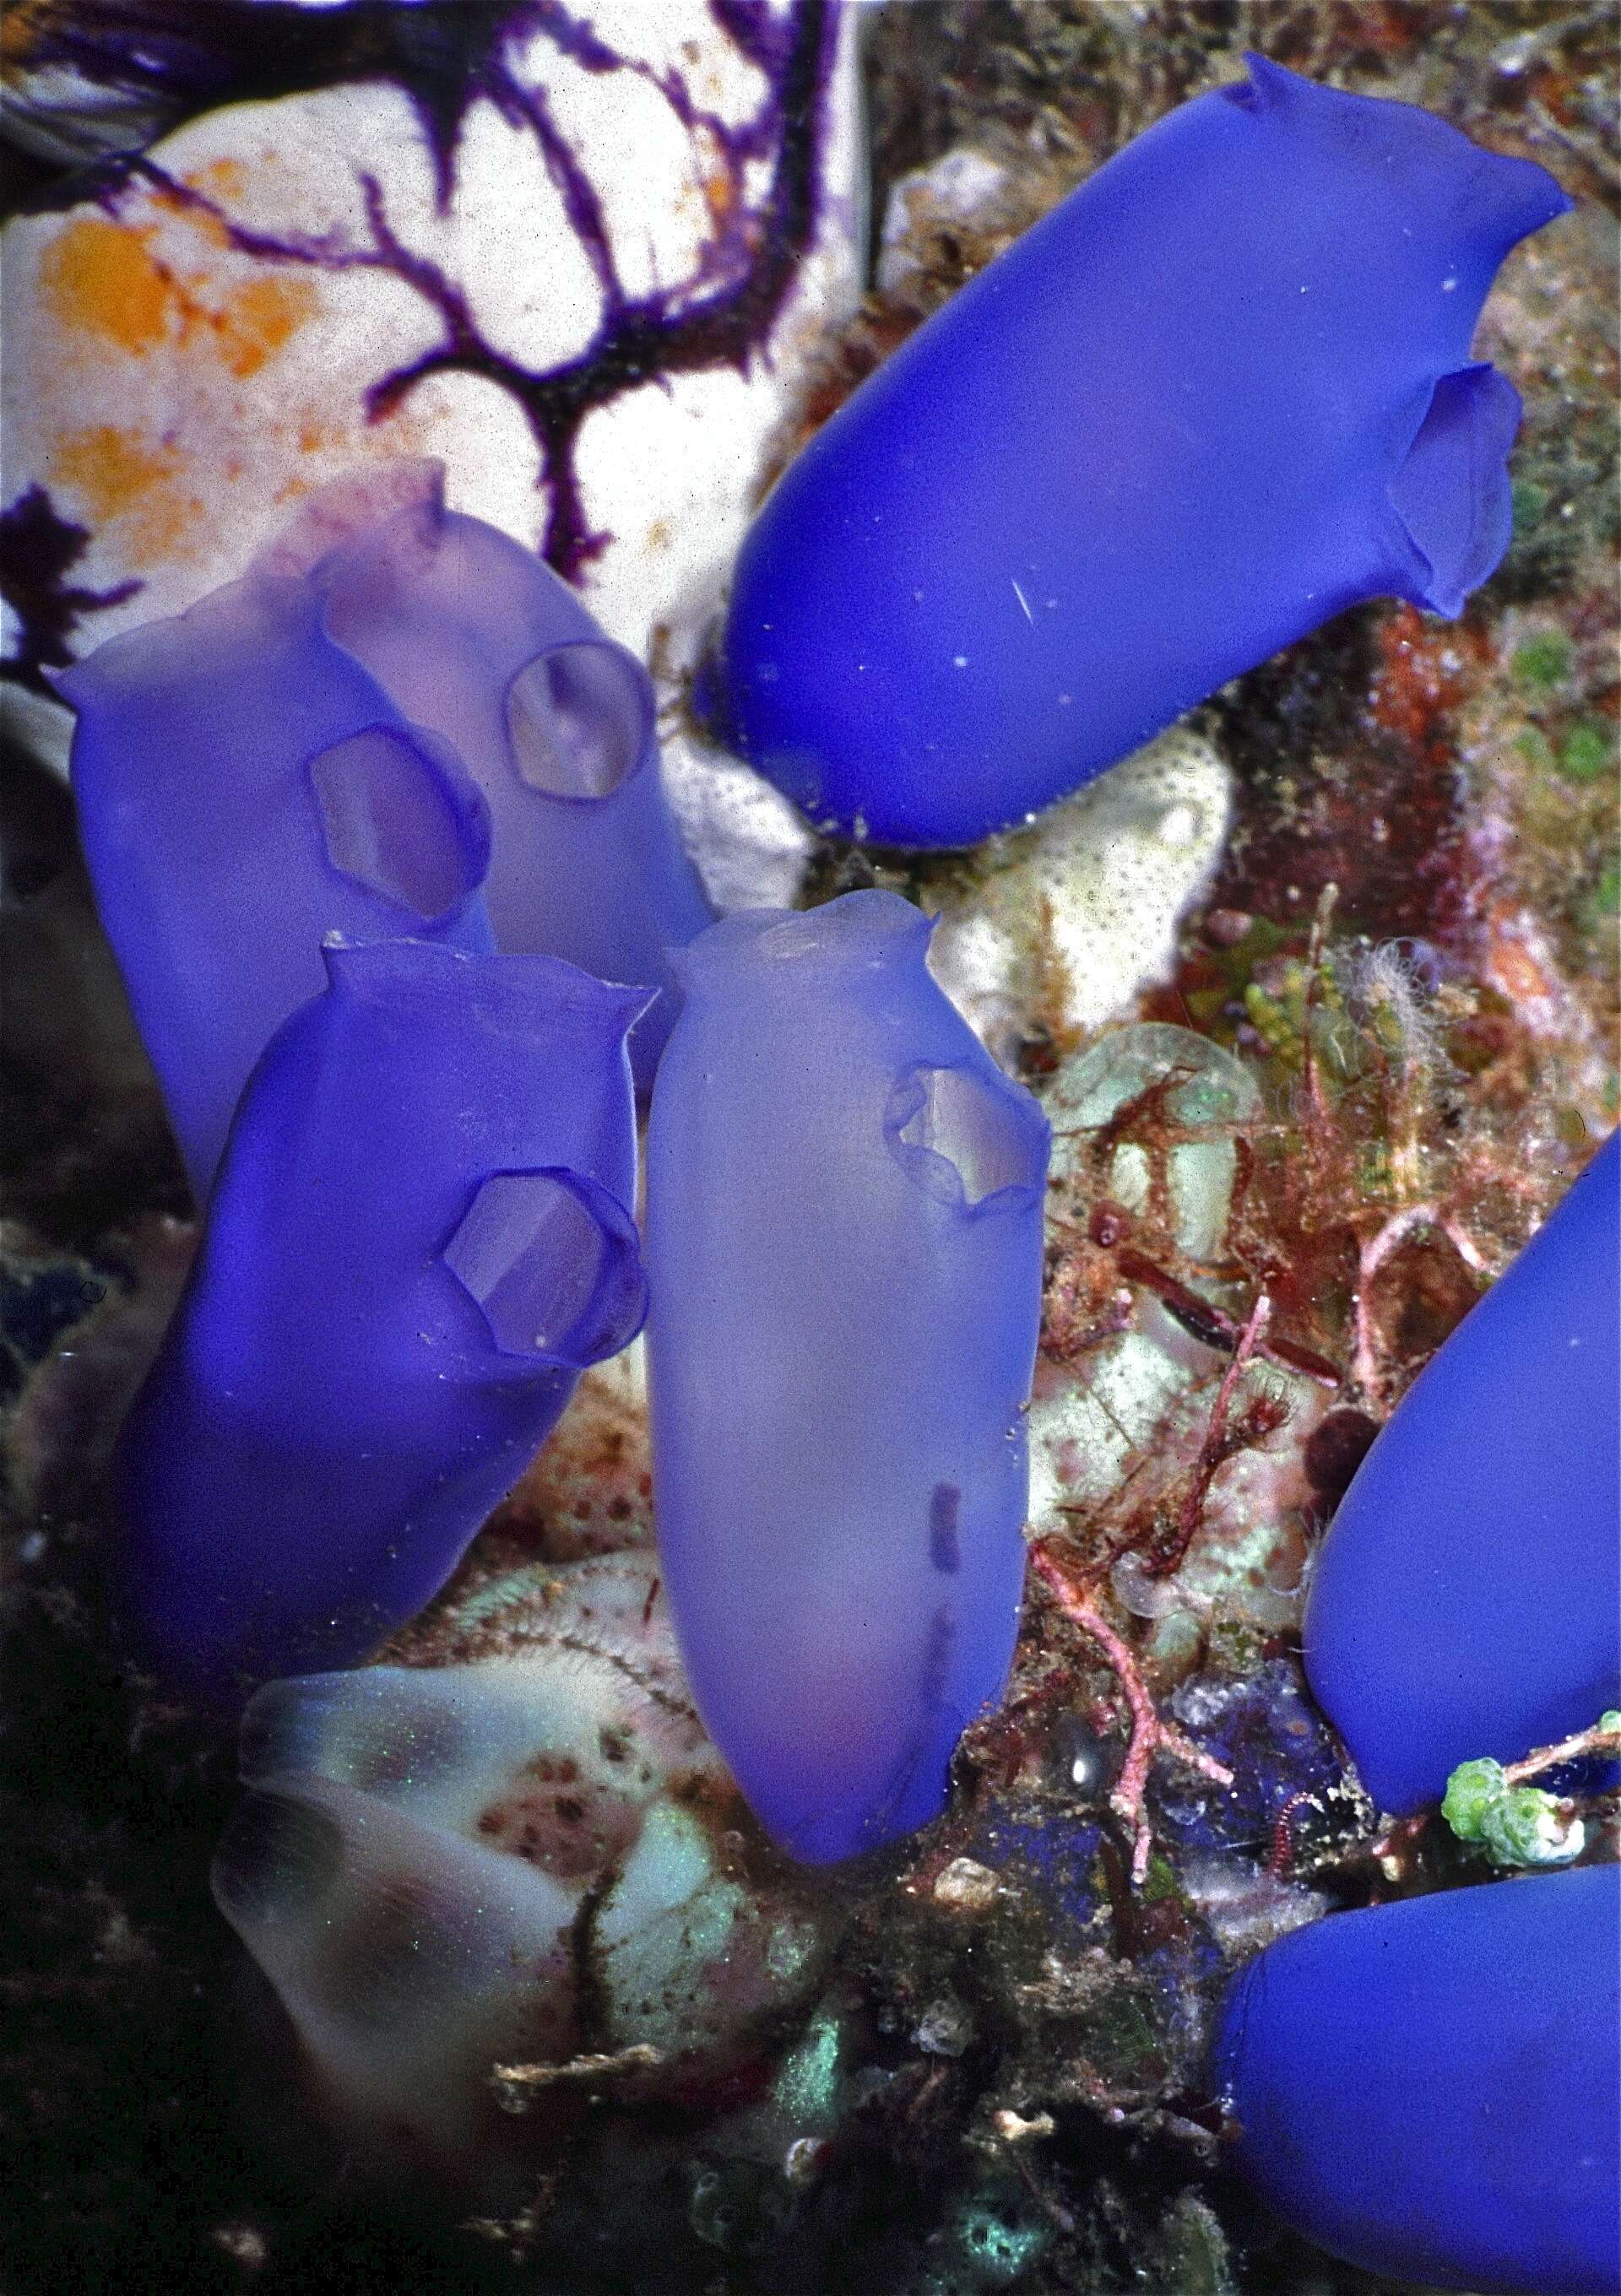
pixel 245 788
pixel 845 1238
pixel 475 638
pixel 1220 393
pixel 1433 2089
pixel 420 1233
pixel 1467 1600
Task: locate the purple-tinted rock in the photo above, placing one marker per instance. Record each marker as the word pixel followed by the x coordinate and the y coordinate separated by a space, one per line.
pixel 1264 1729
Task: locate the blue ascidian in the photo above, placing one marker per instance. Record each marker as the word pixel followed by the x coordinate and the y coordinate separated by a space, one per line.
pixel 844 1263
pixel 245 788
pixel 1468 1598
pixel 1432 2089
pixel 475 638
pixel 1219 394
pixel 420 1234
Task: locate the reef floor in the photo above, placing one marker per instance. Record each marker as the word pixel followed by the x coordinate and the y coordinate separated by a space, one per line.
pixel 986 2073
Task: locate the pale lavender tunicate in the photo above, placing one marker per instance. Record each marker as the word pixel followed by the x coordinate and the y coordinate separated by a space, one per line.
pixel 474 637
pixel 244 789
pixel 844 1239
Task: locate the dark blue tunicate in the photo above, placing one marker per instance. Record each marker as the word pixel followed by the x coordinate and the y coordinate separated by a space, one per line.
pixel 420 1233
pixel 475 638
pixel 845 1256
pixel 1221 392
pixel 245 788
pixel 1467 1598
pixel 1433 2089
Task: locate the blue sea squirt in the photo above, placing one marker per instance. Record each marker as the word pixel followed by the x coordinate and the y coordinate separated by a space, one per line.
pixel 244 788
pixel 397 722
pixel 420 1233
pixel 1466 1601
pixel 1433 2089
pixel 475 638
pixel 844 1200
pixel 1222 392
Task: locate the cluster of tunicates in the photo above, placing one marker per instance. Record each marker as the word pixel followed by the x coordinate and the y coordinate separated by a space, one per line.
pixel 380 840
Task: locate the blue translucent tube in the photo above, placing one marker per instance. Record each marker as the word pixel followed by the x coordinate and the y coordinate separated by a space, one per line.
pixel 1221 392
pixel 1467 1600
pixel 844 1240
pixel 421 1233
pixel 400 722
pixel 1433 2089
pixel 245 788
pixel 475 638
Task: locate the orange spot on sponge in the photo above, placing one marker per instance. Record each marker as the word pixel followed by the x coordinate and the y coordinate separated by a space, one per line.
pixel 100 277
pixel 117 475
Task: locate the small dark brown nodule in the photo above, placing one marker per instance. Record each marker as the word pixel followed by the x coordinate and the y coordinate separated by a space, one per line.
pixel 945 1552
pixel 1108 1225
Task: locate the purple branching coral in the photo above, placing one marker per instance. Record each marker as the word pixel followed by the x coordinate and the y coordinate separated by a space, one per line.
pixel 750 105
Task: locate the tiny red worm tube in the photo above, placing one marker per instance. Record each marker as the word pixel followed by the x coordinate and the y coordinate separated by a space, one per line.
pixel 1283 1835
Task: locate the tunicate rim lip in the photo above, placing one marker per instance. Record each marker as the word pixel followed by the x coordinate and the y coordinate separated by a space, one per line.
pixel 864 931
pixel 615 1223
pixel 511 991
pixel 935 1173
pixel 1409 565
pixel 465 802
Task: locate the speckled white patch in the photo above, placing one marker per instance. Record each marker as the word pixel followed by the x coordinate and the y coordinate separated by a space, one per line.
pixel 961 187
pixel 1073 919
